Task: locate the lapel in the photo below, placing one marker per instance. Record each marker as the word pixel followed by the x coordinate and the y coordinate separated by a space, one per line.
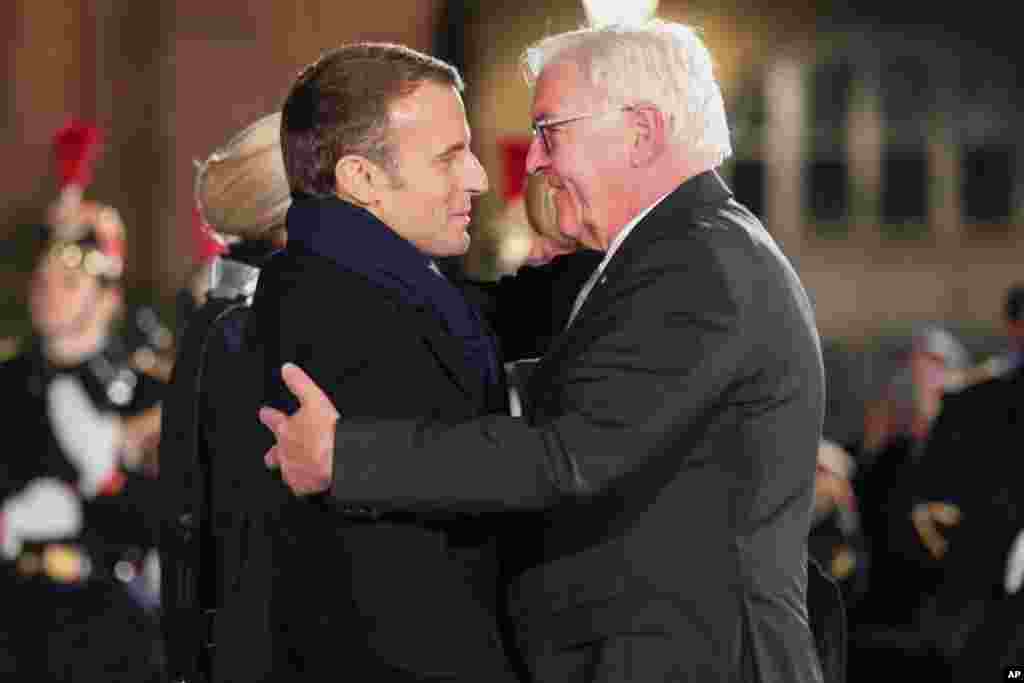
pixel 446 348
pixel 672 214
pixel 419 318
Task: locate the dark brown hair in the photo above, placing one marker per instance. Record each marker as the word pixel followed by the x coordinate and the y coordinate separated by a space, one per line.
pixel 340 105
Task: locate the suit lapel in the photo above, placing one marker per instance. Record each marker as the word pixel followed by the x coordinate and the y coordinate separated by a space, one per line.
pixel 673 213
pixel 447 349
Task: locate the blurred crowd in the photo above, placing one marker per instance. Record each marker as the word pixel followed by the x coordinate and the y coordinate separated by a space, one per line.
pixel 917 518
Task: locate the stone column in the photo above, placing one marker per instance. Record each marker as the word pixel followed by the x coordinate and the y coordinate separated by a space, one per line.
pixel 784 151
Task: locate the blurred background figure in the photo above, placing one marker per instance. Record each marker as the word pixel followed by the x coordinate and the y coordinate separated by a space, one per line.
pixel 837 541
pixel 902 577
pixel 80 518
pixel 969 513
pixel 242 196
pixel 901 417
pixel 1012 357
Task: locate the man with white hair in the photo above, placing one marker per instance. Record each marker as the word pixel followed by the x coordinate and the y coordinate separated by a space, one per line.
pixel 663 469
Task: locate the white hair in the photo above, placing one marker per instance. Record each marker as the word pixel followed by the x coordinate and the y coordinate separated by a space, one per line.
pixel 241 188
pixel 663 63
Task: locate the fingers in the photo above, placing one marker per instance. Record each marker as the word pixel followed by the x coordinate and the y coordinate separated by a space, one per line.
pixel 273 419
pixel 270 458
pixel 930 536
pixel 300 384
pixel 945 513
pixel 306 390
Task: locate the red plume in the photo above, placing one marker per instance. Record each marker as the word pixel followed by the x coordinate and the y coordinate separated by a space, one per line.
pixel 513 157
pixel 206 244
pixel 77 145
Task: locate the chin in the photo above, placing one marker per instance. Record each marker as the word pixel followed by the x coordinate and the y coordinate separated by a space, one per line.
pixel 456 247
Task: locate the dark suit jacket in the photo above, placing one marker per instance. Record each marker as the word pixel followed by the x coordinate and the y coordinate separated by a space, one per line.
pixel 668 454
pixel 186 548
pixel 376 598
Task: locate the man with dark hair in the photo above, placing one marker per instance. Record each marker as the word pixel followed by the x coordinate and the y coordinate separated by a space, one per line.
pixel 377 152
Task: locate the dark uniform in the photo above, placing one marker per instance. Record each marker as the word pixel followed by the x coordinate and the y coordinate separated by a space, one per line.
pixel 974 461
pixel 74 608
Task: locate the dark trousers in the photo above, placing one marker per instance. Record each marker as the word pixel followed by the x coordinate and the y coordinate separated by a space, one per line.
pixel 630 658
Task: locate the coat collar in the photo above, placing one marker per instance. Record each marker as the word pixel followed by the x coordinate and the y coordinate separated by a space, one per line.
pixel 672 213
pixel 357 241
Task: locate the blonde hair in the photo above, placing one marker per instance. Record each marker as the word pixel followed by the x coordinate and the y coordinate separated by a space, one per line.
pixel 241 189
pixel 663 63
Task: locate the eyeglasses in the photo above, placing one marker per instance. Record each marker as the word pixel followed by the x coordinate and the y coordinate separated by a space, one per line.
pixel 540 128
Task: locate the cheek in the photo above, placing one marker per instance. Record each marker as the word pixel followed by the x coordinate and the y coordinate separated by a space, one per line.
pixel 566 213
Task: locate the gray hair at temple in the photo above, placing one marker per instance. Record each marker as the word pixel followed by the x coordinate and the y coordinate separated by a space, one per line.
pixel 662 63
pixel 241 189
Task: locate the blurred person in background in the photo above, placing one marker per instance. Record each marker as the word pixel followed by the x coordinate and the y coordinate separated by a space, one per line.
pixel 837 541
pixel 969 513
pixel 942 467
pixel 215 584
pixel 1013 328
pixel 903 576
pixel 78 525
pixel 681 408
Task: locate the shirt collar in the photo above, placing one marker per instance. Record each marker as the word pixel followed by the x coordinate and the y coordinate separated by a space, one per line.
pixel 624 233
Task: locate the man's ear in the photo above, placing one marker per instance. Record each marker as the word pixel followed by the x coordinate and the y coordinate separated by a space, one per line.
pixel 649 134
pixel 358 179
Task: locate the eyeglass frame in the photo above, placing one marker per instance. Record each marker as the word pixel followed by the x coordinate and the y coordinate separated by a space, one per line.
pixel 539 127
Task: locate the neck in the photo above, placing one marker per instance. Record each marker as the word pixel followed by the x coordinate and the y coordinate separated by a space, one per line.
pixel 669 171
pixel 650 183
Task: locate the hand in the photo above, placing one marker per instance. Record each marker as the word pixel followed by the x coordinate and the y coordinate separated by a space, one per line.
pixel 305 440
pixel 926 518
pixel 88 437
pixel 46 509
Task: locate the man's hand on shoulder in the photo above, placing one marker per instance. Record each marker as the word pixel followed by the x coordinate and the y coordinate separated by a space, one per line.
pixel 304 448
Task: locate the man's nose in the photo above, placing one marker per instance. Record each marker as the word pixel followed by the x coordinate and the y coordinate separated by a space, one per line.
pixel 476 176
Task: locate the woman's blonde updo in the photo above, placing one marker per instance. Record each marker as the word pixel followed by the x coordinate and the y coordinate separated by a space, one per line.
pixel 241 189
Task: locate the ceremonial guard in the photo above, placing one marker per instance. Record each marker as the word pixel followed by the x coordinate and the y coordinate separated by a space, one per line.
pixel 77 524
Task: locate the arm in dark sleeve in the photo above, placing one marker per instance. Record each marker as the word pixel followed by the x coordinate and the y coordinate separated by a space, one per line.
pixel 666 349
